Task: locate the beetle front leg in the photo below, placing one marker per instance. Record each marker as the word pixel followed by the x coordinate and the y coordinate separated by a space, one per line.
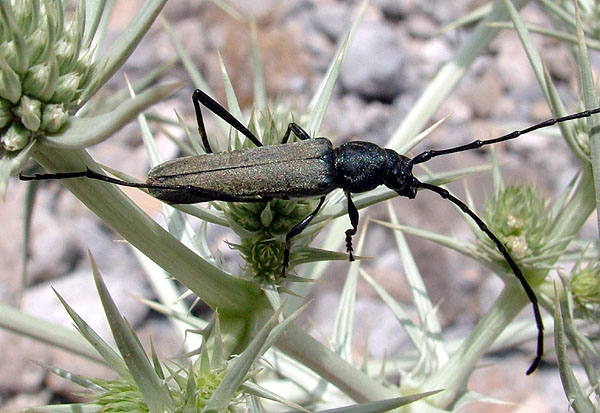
pixel 353 214
pixel 296 230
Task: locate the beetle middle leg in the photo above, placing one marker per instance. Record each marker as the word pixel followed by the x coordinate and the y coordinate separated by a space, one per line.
pixel 353 214
pixel 296 230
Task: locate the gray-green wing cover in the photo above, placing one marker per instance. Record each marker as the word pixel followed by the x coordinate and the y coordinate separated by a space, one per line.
pixel 295 170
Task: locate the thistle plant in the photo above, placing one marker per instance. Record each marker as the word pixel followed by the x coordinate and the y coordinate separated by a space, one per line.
pixel 210 383
pixel 252 341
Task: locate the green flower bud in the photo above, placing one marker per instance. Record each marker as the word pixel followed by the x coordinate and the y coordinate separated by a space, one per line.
pixel 514 223
pixel 14 48
pixel 36 81
pixel 26 14
pixel 10 84
pixel 66 88
pixel 5 113
pixel 266 216
pixel 84 65
pixel 582 136
pixel 276 217
pixel 30 112
pixel 37 43
pixel 245 217
pixel 517 245
pixel 585 286
pixel 190 391
pixel 10 52
pixel 66 55
pixel 16 137
pixel 286 214
pixel 54 117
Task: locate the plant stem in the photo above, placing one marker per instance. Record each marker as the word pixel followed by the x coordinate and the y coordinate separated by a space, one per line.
pixel 454 374
pixel 211 284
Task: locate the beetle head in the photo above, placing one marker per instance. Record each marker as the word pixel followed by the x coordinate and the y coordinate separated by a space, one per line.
pixel 398 174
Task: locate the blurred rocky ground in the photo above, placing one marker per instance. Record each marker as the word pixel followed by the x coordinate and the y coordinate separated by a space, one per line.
pixel 397 48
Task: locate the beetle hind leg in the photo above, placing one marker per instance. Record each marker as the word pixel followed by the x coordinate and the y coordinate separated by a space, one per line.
pixel 298 131
pixel 201 98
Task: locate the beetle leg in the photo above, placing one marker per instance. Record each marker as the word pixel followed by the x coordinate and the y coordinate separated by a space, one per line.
pixel 297 229
pixel 353 214
pixel 298 131
pixel 199 97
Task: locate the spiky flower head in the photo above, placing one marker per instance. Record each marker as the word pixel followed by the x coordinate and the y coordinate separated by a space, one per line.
pixel 262 226
pixel 585 286
pixel 190 390
pixel 44 67
pixel 517 215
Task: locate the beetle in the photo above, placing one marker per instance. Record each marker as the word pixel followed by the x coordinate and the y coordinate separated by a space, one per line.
pixel 304 169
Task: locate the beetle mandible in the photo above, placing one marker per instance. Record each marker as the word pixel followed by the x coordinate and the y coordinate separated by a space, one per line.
pixel 304 169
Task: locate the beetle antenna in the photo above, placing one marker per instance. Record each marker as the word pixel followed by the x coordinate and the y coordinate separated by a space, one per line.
pixel 427 155
pixel 88 173
pixel 513 265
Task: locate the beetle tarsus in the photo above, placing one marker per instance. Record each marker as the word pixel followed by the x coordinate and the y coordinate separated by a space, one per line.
pixel 349 248
pixel 353 214
pixel 286 258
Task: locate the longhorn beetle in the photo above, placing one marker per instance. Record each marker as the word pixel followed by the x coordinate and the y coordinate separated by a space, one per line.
pixel 307 168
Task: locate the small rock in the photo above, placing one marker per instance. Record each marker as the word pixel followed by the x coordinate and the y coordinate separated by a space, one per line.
pixel 377 330
pixel 444 11
pixel 80 293
pixel 18 373
pixel 26 400
pixel 332 19
pixel 421 26
pixel 433 54
pixel 512 64
pixel 395 9
pixel 374 64
pixel 351 118
pixel 487 93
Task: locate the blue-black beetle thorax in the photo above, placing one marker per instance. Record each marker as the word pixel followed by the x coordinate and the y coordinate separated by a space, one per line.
pixel 359 166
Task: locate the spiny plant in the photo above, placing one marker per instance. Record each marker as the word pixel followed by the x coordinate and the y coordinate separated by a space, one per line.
pixel 246 307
